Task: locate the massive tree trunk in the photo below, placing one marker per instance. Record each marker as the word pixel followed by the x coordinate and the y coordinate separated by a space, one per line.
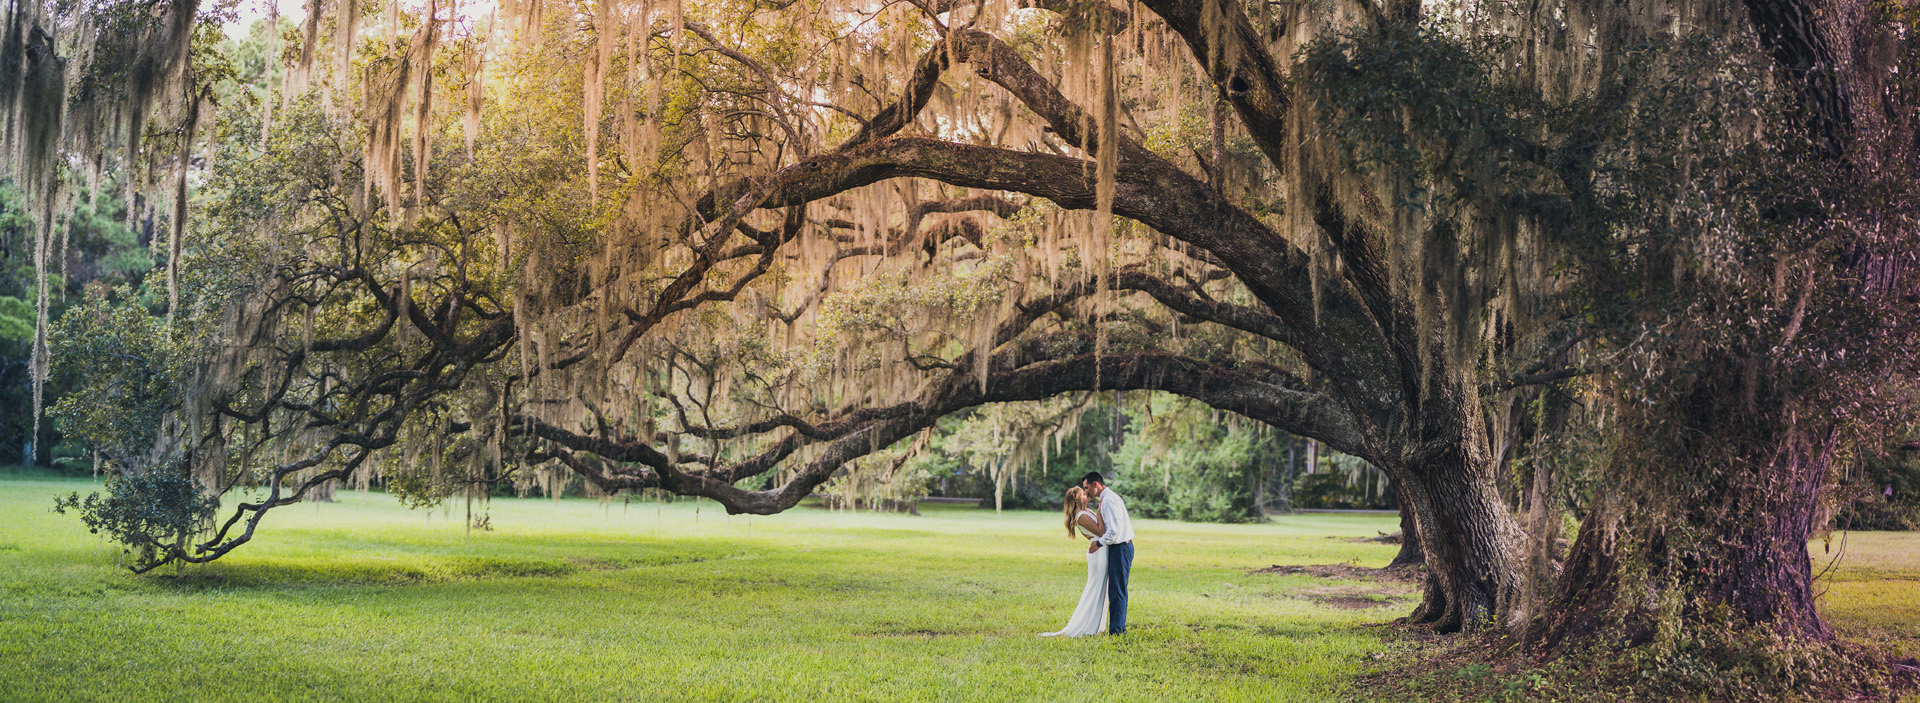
pixel 1713 526
pixel 1468 538
pixel 1418 411
pixel 1712 492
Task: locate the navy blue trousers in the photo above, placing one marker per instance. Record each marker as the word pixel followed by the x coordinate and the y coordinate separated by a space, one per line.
pixel 1119 566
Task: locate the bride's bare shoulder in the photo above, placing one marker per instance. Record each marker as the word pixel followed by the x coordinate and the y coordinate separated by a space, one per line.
pixel 1091 520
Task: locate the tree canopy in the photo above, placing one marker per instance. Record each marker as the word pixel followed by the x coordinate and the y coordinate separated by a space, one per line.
pixel 734 249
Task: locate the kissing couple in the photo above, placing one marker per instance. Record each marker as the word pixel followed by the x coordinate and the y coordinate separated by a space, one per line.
pixel 1103 603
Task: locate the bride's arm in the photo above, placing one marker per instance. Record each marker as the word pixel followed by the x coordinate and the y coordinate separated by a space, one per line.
pixel 1092 524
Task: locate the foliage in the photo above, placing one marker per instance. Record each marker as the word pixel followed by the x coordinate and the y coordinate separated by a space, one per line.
pixel 1714 253
pixel 125 369
pixel 103 249
pixel 100 251
pixel 1022 455
pixel 891 479
pixel 1738 374
pixel 1420 101
pixel 16 320
pixel 1185 461
pixel 1330 491
pixel 146 510
pixel 966 456
pixel 1170 457
pixel 1880 493
pixel 73 458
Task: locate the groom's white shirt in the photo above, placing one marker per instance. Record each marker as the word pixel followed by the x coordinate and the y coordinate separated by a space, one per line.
pixel 1113 511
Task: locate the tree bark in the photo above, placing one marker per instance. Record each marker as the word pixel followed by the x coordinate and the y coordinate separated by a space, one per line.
pixel 1710 524
pixel 1711 496
pixel 1410 552
pixel 1467 538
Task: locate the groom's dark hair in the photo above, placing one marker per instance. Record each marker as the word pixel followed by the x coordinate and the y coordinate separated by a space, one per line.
pixel 1093 477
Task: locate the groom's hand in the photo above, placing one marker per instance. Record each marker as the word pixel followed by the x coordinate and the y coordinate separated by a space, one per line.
pixel 1093 547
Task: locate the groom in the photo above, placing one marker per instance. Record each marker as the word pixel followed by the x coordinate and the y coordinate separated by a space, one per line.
pixel 1119 541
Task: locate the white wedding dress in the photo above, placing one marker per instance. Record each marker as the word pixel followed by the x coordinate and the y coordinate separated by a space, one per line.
pixel 1090 616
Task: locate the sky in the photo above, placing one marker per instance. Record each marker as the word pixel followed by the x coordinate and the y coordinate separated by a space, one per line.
pixel 255 10
pixel 251 11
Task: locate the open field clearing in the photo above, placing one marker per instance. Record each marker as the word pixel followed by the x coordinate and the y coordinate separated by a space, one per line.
pixel 584 600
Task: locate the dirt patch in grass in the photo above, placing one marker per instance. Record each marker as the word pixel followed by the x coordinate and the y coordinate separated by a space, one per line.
pixel 1390 586
pixel 1420 665
pixel 1404 574
pixel 1354 597
pixel 1346 601
pixel 1382 538
pixel 921 633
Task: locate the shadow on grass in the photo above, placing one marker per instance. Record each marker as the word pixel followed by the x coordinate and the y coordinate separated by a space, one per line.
pixel 407 570
pixel 288 573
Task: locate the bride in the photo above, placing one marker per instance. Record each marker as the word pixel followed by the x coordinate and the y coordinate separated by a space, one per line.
pixel 1090 617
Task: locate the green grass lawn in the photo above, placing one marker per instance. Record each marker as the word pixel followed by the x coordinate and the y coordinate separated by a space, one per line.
pixel 583 600
pixel 1873 594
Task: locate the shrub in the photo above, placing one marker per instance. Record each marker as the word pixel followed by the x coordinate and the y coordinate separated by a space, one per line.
pixel 148 511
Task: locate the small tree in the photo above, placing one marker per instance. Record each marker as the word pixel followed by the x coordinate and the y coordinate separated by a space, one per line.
pixel 128 372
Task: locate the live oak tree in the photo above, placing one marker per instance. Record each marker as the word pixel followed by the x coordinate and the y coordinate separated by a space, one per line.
pixel 730 249
pixel 1743 379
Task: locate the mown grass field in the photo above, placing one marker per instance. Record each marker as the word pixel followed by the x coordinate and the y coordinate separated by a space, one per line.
pixel 1872 595
pixel 583 600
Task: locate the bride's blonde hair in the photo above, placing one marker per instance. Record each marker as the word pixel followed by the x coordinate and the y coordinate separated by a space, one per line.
pixel 1075 502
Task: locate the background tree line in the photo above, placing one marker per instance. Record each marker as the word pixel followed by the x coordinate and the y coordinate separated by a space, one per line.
pixel 1171 457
